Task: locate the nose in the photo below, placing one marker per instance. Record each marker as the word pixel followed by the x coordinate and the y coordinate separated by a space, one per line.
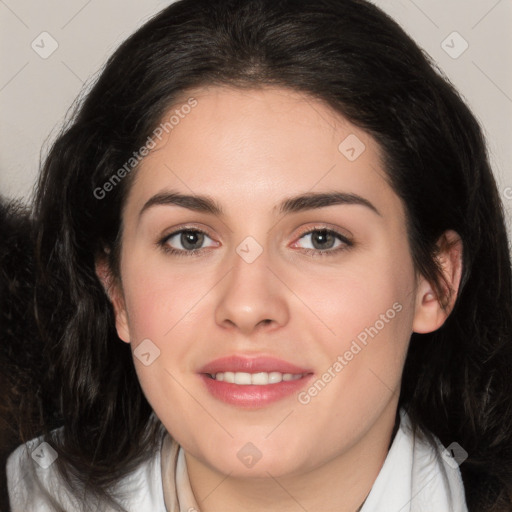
pixel 252 297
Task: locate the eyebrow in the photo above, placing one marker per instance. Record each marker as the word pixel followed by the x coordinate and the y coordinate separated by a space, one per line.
pixel 303 202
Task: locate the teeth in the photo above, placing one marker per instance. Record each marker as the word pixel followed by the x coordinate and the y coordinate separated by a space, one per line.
pixel 258 379
pixel 228 377
pixel 243 378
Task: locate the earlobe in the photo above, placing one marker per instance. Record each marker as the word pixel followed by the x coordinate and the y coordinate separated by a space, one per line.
pixel 431 310
pixel 115 294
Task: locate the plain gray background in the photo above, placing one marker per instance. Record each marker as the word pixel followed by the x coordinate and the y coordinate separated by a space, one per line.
pixel 51 50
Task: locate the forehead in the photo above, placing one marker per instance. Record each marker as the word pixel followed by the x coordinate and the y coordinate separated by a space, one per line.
pixel 249 148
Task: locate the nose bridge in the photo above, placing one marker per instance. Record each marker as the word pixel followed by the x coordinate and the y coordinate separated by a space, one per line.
pixel 250 264
pixel 251 294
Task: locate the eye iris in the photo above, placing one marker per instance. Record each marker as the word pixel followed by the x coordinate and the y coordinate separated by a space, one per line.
pixel 322 236
pixel 191 238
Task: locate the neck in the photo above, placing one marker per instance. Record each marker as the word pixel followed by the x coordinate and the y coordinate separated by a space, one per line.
pixel 341 483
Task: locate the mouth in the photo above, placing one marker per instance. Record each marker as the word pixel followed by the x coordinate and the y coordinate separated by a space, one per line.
pixel 253 382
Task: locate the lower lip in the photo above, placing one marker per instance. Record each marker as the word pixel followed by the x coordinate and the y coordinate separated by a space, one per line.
pixel 253 396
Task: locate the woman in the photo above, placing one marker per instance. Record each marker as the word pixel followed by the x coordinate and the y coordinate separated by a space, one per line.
pixel 205 359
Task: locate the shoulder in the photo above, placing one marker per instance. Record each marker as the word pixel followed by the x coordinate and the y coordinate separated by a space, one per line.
pixel 416 475
pixel 34 483
pixel 32 480
pixel 435 472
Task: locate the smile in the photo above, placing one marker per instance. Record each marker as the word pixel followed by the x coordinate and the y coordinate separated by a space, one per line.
pixel 253 381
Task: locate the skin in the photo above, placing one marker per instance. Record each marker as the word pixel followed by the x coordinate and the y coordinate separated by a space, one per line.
pixel 249 150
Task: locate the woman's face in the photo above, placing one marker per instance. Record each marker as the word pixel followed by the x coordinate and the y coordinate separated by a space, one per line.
pixel 258 300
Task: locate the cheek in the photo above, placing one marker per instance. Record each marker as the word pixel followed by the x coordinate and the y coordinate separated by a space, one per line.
pixel 158 296
pixel 368 307
pixel 364 291
pixel 161 317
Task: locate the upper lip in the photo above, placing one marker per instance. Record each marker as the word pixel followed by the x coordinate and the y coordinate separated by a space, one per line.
pixel 246 364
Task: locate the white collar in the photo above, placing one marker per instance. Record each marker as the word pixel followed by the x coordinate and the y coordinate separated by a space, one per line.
pixel 415 477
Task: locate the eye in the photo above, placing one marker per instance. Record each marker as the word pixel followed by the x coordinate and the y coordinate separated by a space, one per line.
pixel 322 241
pixel 188 242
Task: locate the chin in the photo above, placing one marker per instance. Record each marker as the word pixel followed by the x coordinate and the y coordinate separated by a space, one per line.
pixel 264 468
pixel 255 460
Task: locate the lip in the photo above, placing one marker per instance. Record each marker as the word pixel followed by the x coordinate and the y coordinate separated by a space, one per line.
pixel 252 396
pixel 251 365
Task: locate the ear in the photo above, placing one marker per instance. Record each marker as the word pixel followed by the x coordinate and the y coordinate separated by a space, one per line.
pixel 432 311
pixel 115 294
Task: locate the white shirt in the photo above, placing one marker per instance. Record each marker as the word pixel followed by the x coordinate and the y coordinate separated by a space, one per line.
pixel 415 477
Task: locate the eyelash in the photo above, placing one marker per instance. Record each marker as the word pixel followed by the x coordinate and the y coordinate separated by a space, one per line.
pixel 162 243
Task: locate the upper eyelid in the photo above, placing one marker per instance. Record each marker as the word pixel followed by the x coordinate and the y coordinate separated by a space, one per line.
pixel 176 231
pixel 326 227
pixel 343 238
